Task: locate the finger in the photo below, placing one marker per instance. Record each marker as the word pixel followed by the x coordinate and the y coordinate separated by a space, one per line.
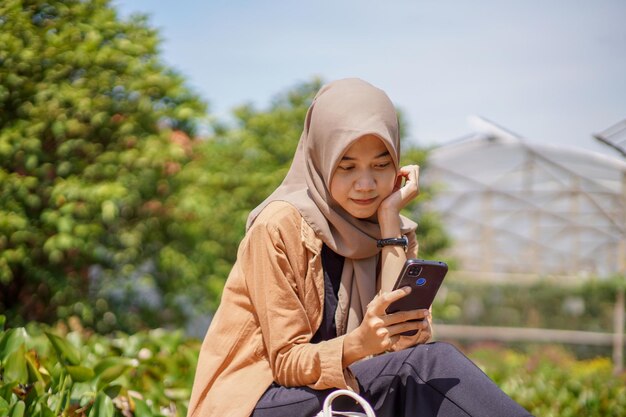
pixel 423 336
pixel 410 172
pixel 393 340
pixel 381 302
pixel 411 186
pixel 426 333
pixel 398 183
pixel 407 326
pixel 401 316
pixel 382 333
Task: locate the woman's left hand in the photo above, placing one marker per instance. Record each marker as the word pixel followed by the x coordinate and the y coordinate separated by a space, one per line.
pixel 402 194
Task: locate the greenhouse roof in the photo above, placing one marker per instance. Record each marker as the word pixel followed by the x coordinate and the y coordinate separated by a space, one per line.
pixel 513 206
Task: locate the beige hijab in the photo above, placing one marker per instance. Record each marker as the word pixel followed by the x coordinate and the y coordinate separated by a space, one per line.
pixel 341 112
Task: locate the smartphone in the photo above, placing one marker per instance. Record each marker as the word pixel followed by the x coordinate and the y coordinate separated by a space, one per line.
pixel 424 277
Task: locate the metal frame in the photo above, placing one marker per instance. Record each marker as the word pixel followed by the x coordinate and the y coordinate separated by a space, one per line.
pixel 555 213
pixel 552 211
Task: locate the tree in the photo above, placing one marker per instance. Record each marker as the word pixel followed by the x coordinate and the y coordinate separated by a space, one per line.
pixel 232 172
pixel 108 209
pixel 87 115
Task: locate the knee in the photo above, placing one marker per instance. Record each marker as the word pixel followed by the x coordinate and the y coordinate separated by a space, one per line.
pixel 427 360
pixel 436 349
pixel 435 352
pixel 443 349
pixel 435 360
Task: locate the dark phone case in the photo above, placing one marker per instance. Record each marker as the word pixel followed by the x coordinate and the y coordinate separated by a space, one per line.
pixel 421 296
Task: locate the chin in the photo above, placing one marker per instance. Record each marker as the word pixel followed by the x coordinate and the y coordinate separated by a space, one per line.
pixel 364 214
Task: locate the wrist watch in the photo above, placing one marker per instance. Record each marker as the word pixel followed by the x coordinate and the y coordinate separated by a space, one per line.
pixel 393 241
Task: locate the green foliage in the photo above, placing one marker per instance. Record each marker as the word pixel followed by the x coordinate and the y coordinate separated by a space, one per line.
pixel 586 306
pixel 550 382
pixel 431 235
pixel 48 372
pixel 108 210
pixel 87 111
pixel 230 174
pixel 62 372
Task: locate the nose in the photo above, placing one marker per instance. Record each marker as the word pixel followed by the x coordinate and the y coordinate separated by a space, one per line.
pixel 365 182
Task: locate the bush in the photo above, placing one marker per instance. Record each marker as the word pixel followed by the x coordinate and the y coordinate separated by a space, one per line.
pixel 584 306
pixel 550 382
pixel 587 306
pixel 93 128
pixel 48 372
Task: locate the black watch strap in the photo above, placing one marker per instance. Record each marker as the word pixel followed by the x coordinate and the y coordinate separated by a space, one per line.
pixel 393 241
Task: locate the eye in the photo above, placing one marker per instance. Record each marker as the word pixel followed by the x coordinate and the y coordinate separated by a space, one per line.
pixel 346 167
pixel 382 165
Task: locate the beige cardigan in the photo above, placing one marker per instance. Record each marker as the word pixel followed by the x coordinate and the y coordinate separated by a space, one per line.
pixel 271 307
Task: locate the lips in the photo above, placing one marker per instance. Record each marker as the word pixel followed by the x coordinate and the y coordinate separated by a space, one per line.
pixel 364 202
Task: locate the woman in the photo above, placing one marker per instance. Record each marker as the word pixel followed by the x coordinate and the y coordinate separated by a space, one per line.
pixel 303 309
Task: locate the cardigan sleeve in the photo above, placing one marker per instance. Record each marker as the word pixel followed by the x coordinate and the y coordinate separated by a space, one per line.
pixel 274 260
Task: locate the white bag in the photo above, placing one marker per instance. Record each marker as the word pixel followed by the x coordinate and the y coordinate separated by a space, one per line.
pixel 327 410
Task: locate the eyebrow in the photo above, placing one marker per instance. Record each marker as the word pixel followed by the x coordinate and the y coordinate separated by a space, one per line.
pixel 380 155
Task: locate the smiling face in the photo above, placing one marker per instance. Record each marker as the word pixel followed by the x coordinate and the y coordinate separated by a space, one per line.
pixel 364 177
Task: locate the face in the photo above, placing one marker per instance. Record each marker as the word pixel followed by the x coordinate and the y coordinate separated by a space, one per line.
pixel 364 177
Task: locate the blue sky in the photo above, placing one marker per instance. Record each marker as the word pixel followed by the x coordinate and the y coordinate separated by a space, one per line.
pixel 551 70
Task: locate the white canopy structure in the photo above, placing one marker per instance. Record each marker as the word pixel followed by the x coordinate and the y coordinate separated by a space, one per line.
pixel 517 207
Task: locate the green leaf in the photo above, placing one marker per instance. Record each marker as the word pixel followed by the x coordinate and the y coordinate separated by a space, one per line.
pixel 111 368
pixel 40 389
pixel 15 369
pixel 18 409
pixel 11 340
pixel 6 389
pixel 80 373
pixel 4 407
pixel 66 352
pixel 102 407
pixel 33 367
pixel 42 410
pixel 112 390
pixel 177 393
pixel 142 409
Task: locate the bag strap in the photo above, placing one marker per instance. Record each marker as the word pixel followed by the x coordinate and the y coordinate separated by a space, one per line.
pixel 327 410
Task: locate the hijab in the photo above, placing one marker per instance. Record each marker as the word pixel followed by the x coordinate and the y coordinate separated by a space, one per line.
pixel 342 112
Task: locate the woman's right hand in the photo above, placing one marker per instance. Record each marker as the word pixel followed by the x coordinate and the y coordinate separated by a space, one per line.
pixel 379 331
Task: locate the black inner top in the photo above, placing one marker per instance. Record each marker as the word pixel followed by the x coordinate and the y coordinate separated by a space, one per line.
pixel 332 264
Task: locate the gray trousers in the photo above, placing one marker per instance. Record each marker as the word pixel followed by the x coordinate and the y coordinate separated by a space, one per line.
pixel 434 379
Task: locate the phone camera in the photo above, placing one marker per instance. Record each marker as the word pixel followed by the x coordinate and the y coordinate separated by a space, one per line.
pixel 414 271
